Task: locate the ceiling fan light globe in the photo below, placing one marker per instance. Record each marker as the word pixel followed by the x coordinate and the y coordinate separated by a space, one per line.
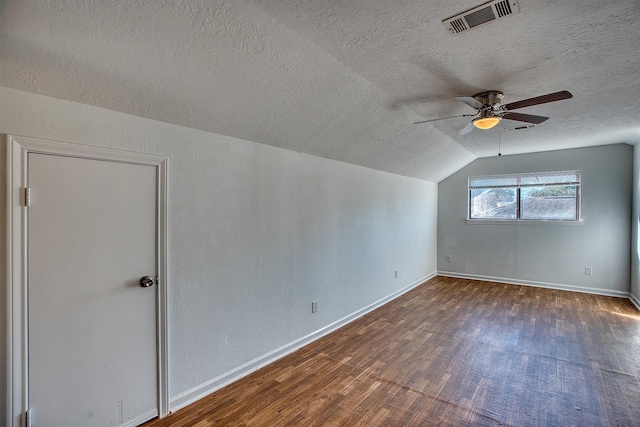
pixel 486 122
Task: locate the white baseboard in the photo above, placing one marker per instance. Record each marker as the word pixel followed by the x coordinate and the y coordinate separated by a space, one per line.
pixel 558 286
pixel 141 418
pixel 634 300
pixel 206 388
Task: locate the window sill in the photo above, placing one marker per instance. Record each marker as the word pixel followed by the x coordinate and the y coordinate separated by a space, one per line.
pixel 520 222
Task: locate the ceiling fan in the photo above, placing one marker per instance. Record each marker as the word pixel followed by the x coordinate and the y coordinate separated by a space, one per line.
pixel 490 111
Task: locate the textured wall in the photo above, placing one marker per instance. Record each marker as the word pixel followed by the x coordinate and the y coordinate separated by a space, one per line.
pixel 550 254
pixel 255 232
pixel 3 274
pixel 635 219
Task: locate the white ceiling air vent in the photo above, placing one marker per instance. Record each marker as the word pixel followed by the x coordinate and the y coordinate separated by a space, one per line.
pixel 479 15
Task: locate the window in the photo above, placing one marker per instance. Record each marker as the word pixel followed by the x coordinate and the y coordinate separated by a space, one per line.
pixel 544 196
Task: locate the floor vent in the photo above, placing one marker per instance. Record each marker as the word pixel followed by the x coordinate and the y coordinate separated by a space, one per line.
pixel 480 15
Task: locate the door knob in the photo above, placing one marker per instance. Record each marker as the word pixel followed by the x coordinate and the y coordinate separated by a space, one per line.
pixel 146 281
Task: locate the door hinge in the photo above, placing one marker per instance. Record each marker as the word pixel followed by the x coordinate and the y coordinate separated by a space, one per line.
pixel 27 196
pixel 28 418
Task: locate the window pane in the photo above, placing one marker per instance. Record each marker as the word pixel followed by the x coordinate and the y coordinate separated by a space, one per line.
pixel 550 202
pixel 492 181
pixel 550 178
pixel 498 203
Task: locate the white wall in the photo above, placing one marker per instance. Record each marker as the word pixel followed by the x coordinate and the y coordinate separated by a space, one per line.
pixel 548 255
pixel 635 237
pixel 255 234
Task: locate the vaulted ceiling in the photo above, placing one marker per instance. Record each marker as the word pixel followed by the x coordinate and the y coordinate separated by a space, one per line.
pixel 338 79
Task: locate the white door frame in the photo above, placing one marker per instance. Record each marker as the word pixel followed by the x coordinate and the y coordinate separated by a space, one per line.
pixel 18 147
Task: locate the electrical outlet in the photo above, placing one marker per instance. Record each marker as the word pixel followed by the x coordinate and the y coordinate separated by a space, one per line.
pixel 395 274
pixel 447 258
pixel 314 306
pixel 587 271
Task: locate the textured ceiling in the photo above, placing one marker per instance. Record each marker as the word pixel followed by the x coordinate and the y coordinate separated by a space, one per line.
pixel 337 79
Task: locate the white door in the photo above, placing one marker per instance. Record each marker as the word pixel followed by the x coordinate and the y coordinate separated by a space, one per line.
pixel 92 350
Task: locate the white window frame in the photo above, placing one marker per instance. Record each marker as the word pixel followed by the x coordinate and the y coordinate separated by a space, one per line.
pixel 518 186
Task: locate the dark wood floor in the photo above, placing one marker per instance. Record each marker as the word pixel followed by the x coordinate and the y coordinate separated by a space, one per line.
pixel 451 352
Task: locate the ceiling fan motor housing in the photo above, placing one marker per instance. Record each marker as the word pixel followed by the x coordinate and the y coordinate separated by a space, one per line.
pixel 489 115
pixel 492 98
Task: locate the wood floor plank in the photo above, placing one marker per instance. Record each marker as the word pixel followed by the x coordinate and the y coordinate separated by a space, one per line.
pixel 450 352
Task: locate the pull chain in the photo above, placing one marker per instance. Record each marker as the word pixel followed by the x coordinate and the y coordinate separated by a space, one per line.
pixel 499 149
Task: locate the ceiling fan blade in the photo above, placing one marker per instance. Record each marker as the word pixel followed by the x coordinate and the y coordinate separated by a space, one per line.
pixel 468 128
pixel 550 97
pixel 443 118
pixel 471 102
pixel 527 118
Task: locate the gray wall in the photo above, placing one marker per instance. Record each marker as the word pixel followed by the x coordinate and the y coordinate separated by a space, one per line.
pixel 635 238
pixel 548 255
pixel 255 234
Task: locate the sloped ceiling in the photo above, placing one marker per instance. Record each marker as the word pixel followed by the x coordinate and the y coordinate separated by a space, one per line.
pixel 338 79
